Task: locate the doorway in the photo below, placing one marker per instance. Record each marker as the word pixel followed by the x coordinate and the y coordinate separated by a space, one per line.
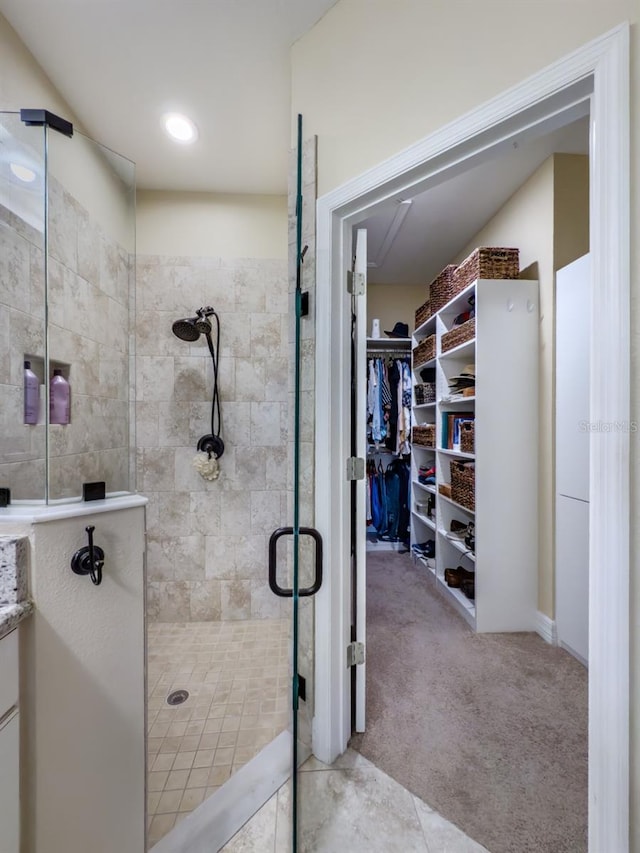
pixel 597 73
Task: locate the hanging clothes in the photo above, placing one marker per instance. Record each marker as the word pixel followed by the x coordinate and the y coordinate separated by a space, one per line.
pixel 397 484
pixel 403 443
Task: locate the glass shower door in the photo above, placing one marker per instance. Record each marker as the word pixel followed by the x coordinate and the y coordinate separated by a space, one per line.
pixel 303 565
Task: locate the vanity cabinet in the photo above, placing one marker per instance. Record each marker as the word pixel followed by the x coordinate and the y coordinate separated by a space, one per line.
pixel 9 745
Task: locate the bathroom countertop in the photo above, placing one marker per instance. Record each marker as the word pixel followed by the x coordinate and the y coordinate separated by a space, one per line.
pixel 12 614
pixel 15 602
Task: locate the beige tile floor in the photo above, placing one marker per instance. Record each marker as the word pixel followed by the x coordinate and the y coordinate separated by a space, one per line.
pixel 237 676
pixel 351 806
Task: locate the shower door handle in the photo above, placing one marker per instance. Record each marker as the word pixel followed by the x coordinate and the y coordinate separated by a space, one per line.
pixel 273 542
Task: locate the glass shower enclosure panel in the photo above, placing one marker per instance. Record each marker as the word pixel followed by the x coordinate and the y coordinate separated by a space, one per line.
pixel 90 287
pixel 22 310
pixel 67 263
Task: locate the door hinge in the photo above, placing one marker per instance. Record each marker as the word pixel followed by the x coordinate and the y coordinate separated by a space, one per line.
pixel 355 468
pixel 355 283
pixel 355 654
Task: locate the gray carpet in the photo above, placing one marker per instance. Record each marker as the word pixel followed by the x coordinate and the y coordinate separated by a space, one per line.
pixel 488 729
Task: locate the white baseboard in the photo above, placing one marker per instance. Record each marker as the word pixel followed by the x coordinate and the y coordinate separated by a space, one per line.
pixel 546 628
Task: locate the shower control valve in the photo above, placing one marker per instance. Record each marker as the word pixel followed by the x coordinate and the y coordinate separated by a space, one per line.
pixel 212 445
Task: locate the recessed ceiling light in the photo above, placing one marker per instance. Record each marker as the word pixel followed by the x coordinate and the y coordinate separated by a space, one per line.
pixel 180 128
pixel 23 172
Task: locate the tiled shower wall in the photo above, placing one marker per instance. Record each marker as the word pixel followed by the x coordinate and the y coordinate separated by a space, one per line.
pixel 207 540
pixel 88 300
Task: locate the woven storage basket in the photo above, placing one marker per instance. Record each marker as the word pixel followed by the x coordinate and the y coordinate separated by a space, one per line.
pixel 458 335
pixel 487 262
pixel 442 288
pixel 463 484
pixel 467 437
pixel 424 435
pixel 423 313
pixel 425 392
pixel 425 351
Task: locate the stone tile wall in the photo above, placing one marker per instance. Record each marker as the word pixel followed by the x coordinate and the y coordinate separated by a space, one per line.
pixel 207 540
pixel 88 301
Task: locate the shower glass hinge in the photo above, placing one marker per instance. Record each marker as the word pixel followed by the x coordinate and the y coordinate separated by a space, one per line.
pixel 355 283
pixel 355 468
pixel 355 654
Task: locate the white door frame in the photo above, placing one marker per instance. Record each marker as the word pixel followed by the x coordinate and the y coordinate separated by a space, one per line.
pixel 602 69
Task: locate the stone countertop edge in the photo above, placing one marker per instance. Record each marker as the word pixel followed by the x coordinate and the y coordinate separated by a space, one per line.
pixel 15 602
pixel 12 614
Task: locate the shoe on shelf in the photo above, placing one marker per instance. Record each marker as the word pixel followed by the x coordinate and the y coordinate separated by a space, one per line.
pixel 468 587
pixel 456 577
pixel 425 549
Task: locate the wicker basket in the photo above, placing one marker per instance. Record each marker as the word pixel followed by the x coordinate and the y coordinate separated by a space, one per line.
pixel 458 335
pixel 425 351
pixel 467 437
pixel 423 313
pixel 424 436
pixel 487 262
pixel 442 288
pixel 463 484
pixel 445 489
pixel 425 392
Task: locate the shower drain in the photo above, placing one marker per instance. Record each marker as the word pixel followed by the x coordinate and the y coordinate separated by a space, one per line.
pixel 177 697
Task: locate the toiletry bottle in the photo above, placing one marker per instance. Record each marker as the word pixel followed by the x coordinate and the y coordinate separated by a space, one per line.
pixel 31 395
pixel 59 399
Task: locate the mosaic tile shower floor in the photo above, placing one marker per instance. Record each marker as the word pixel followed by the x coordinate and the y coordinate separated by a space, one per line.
pixel 237 677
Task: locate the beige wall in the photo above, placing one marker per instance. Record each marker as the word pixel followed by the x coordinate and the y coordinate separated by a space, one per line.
pixel 208 225
pixel 78 163
pixel 392 303
pixel 373 77
pixel 570 208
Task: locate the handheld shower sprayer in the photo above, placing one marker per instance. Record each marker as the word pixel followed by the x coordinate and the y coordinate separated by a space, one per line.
pixel 189 329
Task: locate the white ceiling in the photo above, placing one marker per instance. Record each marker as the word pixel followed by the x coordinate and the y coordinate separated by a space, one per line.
pixel 120 64
pixel 442 220
pixel 226 63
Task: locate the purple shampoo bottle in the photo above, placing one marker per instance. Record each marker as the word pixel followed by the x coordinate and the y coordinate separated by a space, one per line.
pixel 59 399
pixel 31 395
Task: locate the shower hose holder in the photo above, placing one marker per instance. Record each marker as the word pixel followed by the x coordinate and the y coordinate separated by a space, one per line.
pixel 212 445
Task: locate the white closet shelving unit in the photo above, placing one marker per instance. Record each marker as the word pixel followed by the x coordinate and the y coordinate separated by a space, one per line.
pixel 505 353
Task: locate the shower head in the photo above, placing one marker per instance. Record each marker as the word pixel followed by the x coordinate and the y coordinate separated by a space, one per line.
pixel 190 328
pixel 187 329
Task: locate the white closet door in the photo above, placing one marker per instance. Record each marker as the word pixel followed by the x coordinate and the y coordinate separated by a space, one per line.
pixel 360 267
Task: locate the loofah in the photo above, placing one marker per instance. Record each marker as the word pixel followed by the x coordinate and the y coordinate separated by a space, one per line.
pixel 207 466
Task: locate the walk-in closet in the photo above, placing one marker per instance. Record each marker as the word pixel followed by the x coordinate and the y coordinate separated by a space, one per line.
pixel 472 701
